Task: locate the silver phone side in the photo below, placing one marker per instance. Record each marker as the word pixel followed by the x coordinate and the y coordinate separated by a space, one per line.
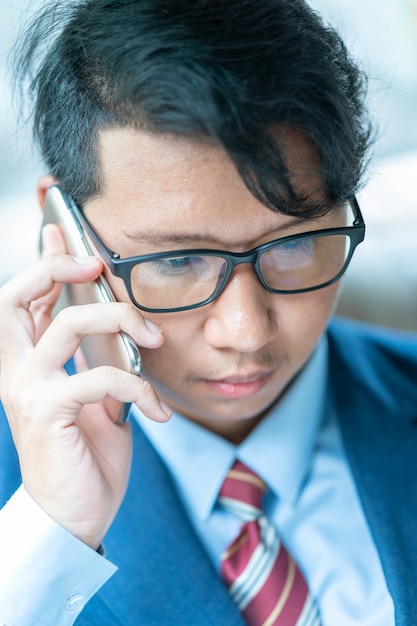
pixel 116 349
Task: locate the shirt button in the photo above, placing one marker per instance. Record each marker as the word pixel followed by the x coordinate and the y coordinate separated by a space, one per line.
pixel 75 603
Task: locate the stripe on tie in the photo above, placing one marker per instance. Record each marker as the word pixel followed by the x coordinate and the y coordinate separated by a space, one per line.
pixel 262 577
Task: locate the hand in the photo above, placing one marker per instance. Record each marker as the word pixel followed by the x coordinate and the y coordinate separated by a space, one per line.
pixel 74 459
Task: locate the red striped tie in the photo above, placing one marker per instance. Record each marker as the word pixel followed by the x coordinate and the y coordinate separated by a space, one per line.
pixel 263 579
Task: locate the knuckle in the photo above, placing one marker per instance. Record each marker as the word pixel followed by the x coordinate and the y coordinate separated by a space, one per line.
pixel 128 312
pixel 68 317
pixel 65 314
pixel 111 375
pixel 127 308
pixel 48 263
pixel 147 388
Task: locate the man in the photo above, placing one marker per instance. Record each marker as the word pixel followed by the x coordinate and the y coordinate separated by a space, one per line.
pixel 216 148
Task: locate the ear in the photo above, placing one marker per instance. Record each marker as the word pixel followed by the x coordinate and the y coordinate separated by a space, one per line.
pixel 43 185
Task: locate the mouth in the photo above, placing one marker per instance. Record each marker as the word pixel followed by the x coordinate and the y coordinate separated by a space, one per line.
pixel 240 386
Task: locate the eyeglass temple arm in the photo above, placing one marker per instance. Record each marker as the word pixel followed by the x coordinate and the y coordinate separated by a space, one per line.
pixel 358 221
pixel 109 256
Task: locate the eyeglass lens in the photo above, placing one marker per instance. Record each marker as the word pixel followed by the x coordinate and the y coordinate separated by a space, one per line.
pixel 182 281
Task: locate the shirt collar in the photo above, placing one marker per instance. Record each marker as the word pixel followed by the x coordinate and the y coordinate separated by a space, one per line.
pixel 279 449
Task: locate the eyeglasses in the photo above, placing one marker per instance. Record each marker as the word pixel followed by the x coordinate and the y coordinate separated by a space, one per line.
pixel 187 279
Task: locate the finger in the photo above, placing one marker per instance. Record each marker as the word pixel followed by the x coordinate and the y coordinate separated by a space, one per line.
pixel 74 323
pixel 52 240
pixel 39 279
pixel 17 325
pixel 95 385
pixel 42 310
pixel 52 243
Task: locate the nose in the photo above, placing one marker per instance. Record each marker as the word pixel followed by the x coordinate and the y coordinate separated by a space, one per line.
pixel 242 318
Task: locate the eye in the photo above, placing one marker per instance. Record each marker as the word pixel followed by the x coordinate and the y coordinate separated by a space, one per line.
pixel 296 247
pixel 178 265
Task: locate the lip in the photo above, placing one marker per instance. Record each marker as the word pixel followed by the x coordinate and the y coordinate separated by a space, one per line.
pixel 240 386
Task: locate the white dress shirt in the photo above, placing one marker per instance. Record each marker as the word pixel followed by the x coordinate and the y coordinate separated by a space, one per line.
pixel 46 574
pixel 298 452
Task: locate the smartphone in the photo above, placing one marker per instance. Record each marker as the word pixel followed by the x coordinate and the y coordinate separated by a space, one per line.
pixel 117 349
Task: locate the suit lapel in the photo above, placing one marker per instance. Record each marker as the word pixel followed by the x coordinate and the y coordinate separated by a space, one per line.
pixel 165 576
pixel 376 403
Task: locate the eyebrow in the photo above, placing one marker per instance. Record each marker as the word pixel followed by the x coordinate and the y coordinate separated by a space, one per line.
pixel 161 239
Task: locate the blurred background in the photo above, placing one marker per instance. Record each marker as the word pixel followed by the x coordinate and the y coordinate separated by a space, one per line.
pixel 381 284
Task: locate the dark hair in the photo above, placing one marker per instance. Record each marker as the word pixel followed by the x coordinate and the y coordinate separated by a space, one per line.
pixel 224 71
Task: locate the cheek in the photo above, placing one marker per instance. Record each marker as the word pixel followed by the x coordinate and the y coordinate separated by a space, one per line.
pixel 159 363
pixel 174 358
pixel 321 307
pixel 330 297
pixel 304 317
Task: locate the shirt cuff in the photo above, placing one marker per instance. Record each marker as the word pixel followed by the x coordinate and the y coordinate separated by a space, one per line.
pixel 46 574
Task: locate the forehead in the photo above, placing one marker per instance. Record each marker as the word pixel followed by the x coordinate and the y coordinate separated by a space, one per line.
pixel 128 151
pixel 166 183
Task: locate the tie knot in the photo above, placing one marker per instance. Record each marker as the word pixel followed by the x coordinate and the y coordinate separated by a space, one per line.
pixel 242 492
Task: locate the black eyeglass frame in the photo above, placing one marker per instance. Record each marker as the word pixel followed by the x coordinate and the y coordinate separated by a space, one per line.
pixel 122 268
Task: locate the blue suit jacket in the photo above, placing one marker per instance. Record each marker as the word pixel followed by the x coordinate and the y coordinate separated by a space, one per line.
pixel 165 577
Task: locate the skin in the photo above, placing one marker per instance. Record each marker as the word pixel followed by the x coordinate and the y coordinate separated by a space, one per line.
pixel 159 187
pixel 222 365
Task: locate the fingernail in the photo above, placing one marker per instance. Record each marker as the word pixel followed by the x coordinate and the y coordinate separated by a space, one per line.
pixel 85 260
pixel 152 327
pixel 165 408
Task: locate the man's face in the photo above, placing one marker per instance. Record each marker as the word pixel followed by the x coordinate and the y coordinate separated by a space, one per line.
pixel 224 364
